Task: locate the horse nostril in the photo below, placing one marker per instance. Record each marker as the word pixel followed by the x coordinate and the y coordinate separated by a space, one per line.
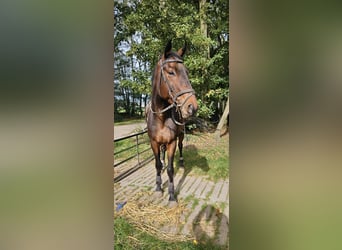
pixel 190 109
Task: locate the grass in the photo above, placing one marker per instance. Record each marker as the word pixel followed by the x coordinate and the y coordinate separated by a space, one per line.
pixel 191 198
pixel 222 205
pixel 130 142
pixel 205 154
pixel 207 197
pixel 127 237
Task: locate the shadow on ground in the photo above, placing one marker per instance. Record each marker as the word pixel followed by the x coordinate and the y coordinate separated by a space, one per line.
pixel 211 227
pixel 191 156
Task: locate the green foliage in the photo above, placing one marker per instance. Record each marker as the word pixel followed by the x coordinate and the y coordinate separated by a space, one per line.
pixel 205 110
pixel 218 94
pixel 146 26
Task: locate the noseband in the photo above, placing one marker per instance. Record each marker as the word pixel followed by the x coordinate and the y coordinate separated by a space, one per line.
pixel 171 93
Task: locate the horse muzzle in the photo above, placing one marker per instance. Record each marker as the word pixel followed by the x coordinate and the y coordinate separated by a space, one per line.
pixel 190 108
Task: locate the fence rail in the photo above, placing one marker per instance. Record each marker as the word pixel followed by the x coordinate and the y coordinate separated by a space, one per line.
pixel 137 154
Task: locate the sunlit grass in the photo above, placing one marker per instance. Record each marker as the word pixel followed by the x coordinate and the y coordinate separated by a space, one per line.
pixel 206 154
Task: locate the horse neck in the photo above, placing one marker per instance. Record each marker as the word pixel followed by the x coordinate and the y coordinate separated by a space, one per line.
pixel 158 103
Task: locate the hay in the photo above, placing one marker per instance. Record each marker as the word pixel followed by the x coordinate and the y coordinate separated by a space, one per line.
pixel 159 221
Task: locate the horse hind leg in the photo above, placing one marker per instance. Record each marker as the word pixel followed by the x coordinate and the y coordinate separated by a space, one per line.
pixel 159 166
pixel 180 147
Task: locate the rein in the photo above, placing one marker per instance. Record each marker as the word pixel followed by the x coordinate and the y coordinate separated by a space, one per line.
pixel 174 97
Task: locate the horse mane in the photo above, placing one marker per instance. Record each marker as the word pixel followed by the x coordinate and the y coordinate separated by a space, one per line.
pixel 155 80
pixel 174 54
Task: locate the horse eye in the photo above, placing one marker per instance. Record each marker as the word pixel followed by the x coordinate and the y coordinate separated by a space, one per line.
pixel 171 73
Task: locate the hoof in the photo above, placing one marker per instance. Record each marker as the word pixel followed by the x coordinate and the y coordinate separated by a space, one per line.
pixel 172 204
pixel 181 163
pixel 158 194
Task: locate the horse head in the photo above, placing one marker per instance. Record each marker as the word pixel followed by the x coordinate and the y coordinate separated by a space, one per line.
pixel 172 82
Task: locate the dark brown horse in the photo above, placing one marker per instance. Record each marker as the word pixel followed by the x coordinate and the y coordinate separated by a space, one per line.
pixel 172 102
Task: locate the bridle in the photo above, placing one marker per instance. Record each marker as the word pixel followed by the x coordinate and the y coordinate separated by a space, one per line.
pixel 171 93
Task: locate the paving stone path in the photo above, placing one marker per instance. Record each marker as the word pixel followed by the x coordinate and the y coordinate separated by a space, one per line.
pixel 124 130
pixel 207 210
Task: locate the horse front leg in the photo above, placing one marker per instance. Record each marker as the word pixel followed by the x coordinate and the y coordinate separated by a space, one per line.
pixel 171 148
pixel 180 147
pixel 159 166
pixel 163 149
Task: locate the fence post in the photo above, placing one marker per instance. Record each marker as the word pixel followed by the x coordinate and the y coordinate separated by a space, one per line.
pixel 137 143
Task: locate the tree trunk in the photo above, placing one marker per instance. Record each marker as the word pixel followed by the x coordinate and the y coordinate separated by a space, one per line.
pixel 145 100
pixel 133 104
pixel 224 117
pixel 140 104
pixel 203 23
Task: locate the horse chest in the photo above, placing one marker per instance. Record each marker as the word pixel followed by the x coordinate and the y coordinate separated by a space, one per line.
pixel 165 133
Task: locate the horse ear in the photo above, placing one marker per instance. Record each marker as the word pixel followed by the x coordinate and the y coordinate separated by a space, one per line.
pixel 168 48
pixel 181 51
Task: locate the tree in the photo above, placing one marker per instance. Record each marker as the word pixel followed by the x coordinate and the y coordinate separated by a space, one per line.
pixel 144 27
pixel 224 118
